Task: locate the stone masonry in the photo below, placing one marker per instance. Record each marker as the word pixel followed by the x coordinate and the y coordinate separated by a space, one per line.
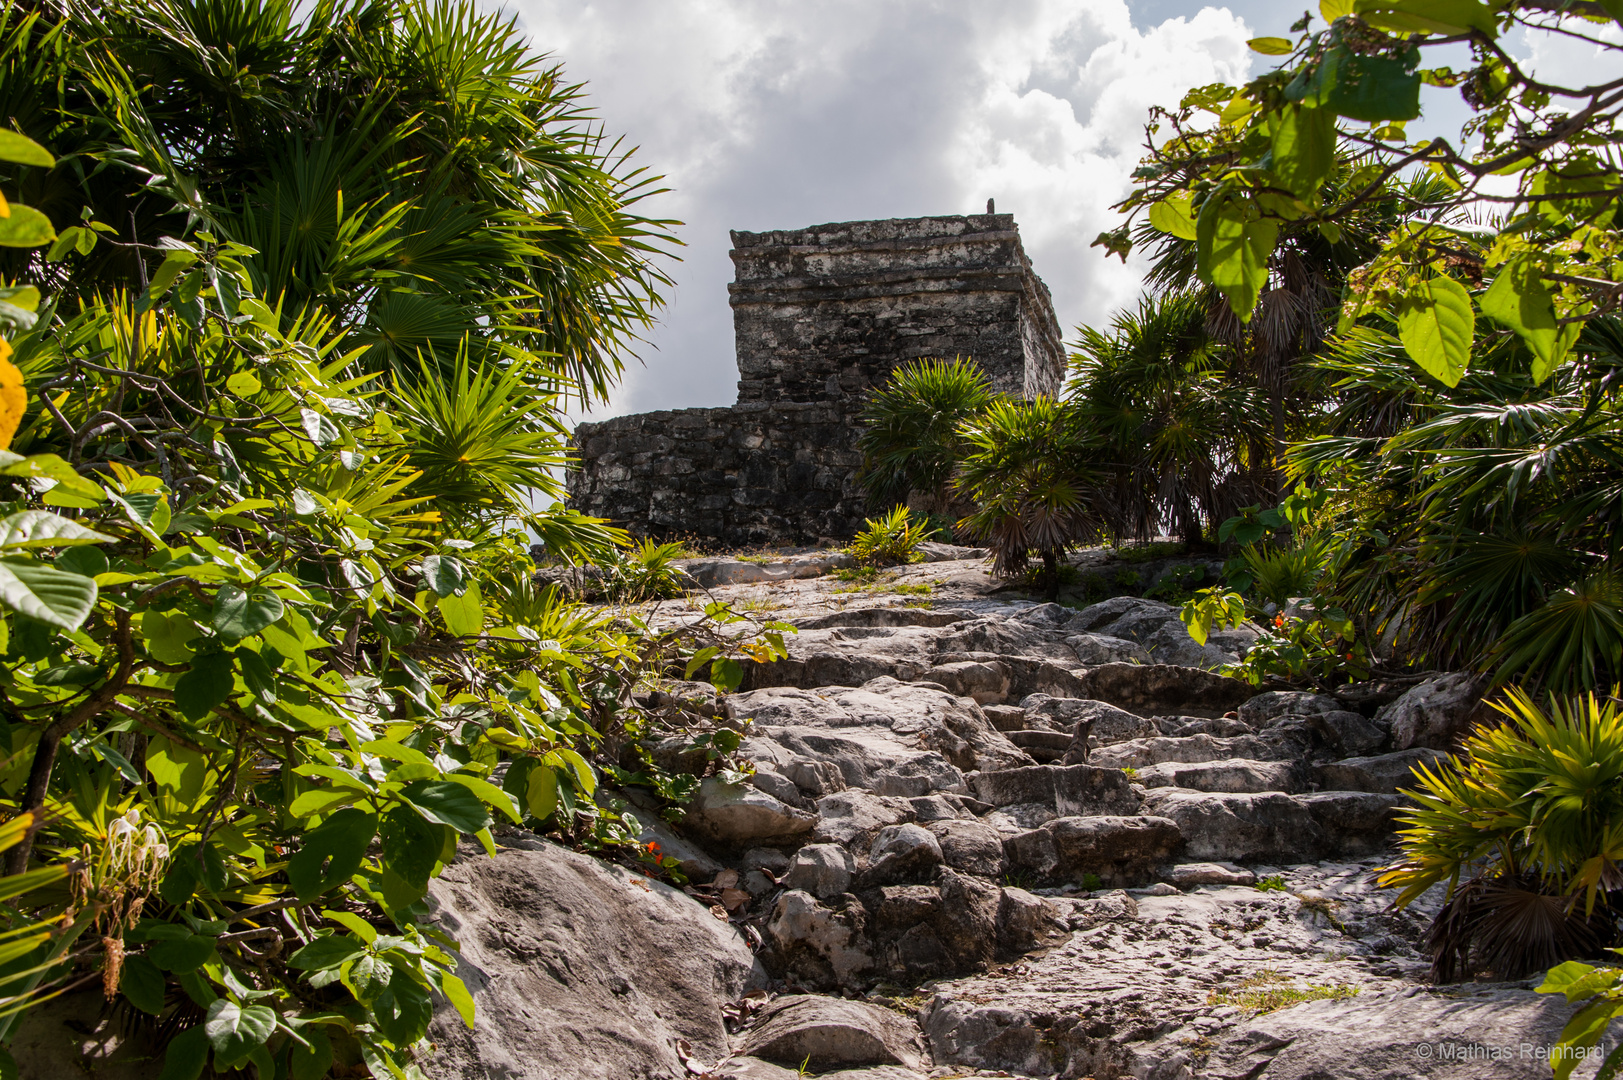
pixel 820 317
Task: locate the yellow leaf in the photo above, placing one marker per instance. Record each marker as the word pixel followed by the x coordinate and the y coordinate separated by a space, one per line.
pixel 13 398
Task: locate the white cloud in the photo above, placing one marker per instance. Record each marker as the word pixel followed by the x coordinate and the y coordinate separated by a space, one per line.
pixel 779 115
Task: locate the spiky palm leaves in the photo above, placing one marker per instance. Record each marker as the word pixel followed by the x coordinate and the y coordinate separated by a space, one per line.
pixel 1526 829
pixel 911 443
pixel 1187 443
pixel 1502 502
pixel 408 166
pixel 1029 471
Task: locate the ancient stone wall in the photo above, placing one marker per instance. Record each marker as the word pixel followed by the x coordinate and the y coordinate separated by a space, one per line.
pixel 820 317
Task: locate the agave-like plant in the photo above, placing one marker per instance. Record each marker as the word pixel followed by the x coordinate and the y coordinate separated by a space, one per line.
pixel 912 443
pixel 1525 829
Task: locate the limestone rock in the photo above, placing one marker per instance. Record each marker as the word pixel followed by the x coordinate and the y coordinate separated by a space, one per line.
pixel 1188 875
pixel 1349 733
pixel 1117 849
pixel 901 853
pixel 1437 713
pixel 1241 827
pixel 738 815
pixel 580 969
pixel 1096 722
pixel 1260 710
pixel 821 945
pixel 987 683
pixel 969 845
pixel 1095 649
pixel 1234 774
pixel 848 816
pixel 824 1033
pixel 824 870
pixel 1353 822
pixel 1154 689
pixel 1383 774
pixel 1037 793
pixel 1025 922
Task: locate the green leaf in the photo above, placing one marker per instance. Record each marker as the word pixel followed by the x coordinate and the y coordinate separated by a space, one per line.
pixel 1272 46
pixel 1369 88
pixel 489 793
pixel 235 1031
pixel 167 636
pixel 726 674
pixel 42 528
pixel 456 992
pixel 1434 16
pixel 1304 149
pixel 244 384
pixel 239 612
pixel 173 263
pixel 142 983
pixel 50 467
pixel 1172 216
pixel 314 1062
pixel 541 796
pixel 23 150
pixel 186 1055
pixel 320 429
pixel 8 1066
pixel 411 847
pixel 331 853
pixel 325 953
pixel 25 228
pixel 1233 249
pixel 448 804
pixel 1584 1030
pixel 445 575
pixel 403 1010
pixel 205 687
pixel 1519 300
pixel 464 615
pixel 367 976
pixel 1435 323
pixel 52 596
pixel 181 955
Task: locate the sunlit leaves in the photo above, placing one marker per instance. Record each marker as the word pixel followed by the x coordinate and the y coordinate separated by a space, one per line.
pixel 1519 300
pixel 1233 244
pixel 1436 324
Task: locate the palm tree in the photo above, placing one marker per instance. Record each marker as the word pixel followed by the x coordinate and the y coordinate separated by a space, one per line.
pixel 1030 473
pixel 1186 441
pixel 912 441
pixel 409 167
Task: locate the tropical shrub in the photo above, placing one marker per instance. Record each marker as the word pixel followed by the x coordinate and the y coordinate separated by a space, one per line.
pixel 891 540
pixel 1525 827
pixel 1600 992
pixel 912 442
pixel 1029 473
pixel 644 571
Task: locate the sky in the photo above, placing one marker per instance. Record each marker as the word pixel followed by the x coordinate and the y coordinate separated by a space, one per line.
pixel 763 114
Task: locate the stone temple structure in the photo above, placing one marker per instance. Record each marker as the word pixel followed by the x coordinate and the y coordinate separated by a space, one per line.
pixel 820 317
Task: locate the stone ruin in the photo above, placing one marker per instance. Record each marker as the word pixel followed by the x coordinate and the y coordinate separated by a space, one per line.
pixel 820 316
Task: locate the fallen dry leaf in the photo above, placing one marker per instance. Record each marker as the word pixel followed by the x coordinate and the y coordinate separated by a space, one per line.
pixel 727 879
pixel 733 899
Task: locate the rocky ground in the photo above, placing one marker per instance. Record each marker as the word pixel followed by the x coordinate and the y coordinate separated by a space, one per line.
pixel 988 836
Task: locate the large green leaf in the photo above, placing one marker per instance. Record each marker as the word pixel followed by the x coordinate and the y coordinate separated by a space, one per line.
pixel 314 1061
pixel 1172 216
pixel 464 615
pixel 26 228
pixel 42 528
pixel 52 596
pixel 186 1054
pixel 239 612
pixel 1233 246
pixel 1304 149
pixel 403 1010
pixel 1519 300
pixel 330 853
pixel 1429 16
pixel 182 954
pixel 23 150
pixel 448 804
pixel 205 686
pixel 235 1031
pixel 143 984
pixel 445 575
pixel 1436 323
pixel 411 847
pixel 325 953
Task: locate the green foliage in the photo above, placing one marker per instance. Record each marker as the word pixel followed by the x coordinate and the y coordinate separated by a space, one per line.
pixel 1028 473
pixel 1526 829
pixel 1272 883
pixel 645 571
pixel 891 540
pixel 1600 993
pixel 912 442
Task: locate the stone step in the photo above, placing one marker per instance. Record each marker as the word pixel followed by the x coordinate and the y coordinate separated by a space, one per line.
pixel 1232 775
pixel 1189 749
pixel 1045 747
pixel 1274 826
